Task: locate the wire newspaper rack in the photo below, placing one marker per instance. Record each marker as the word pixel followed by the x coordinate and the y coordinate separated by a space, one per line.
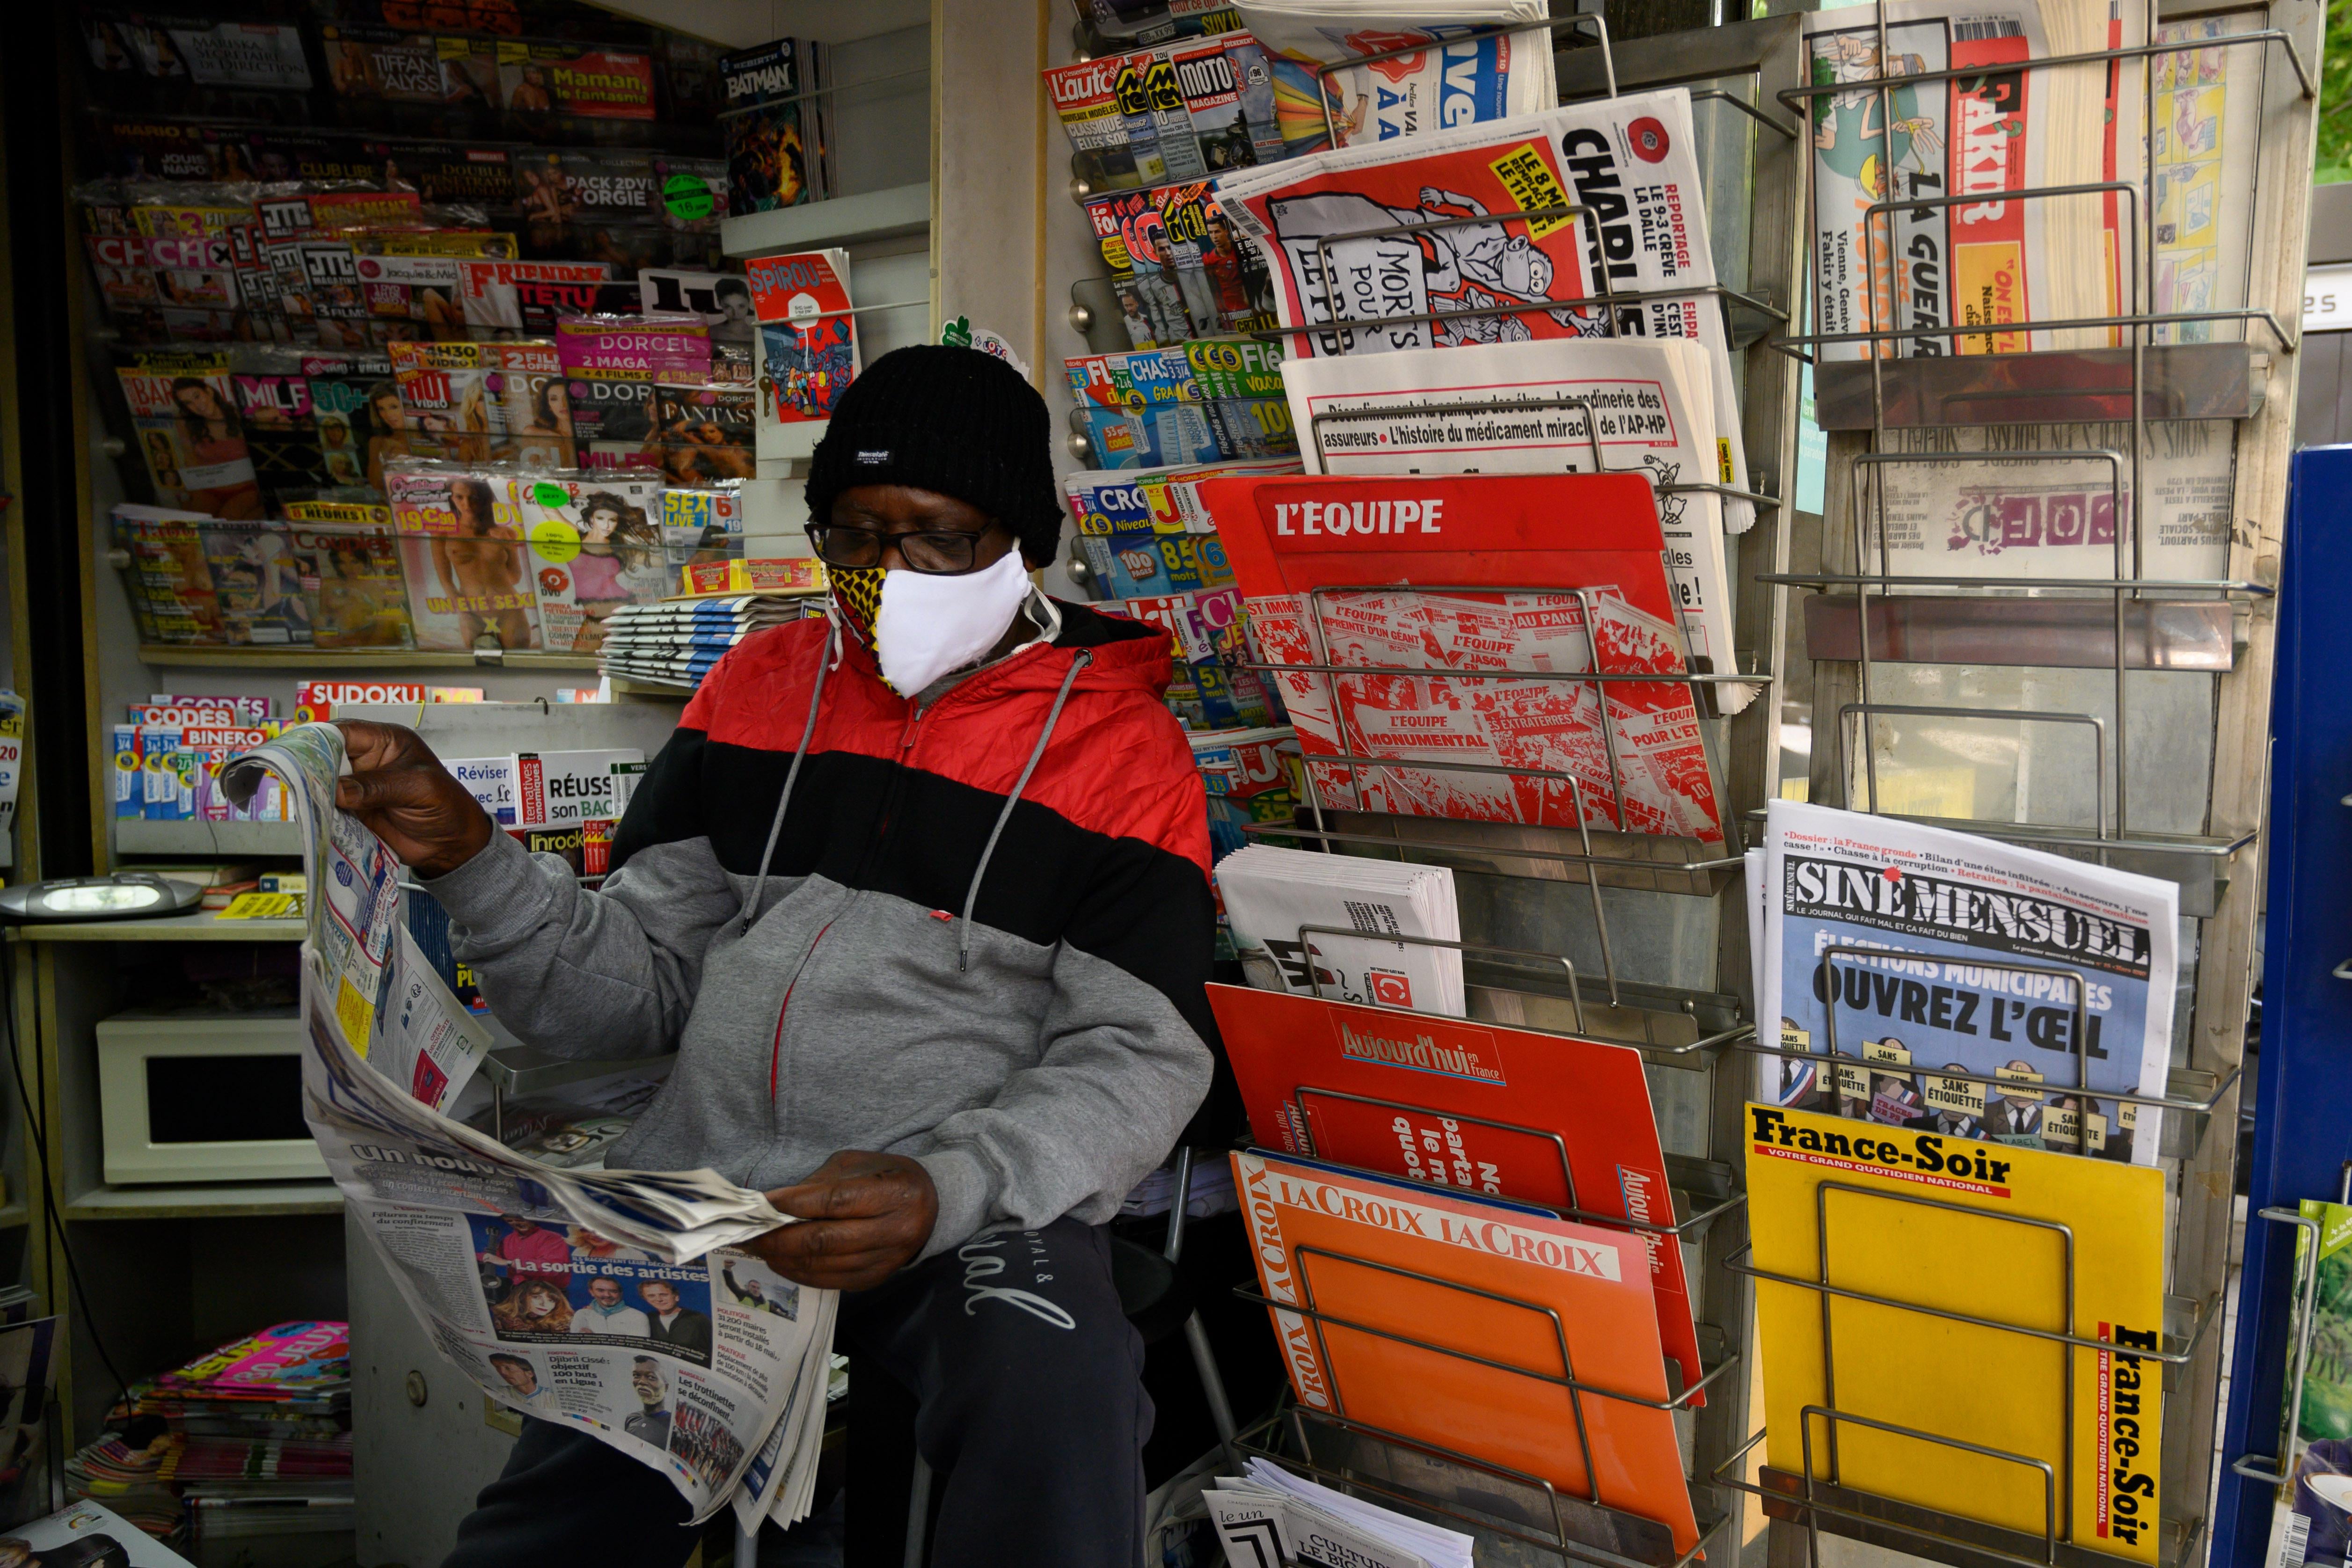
pixel 1885 349
pixel 1601 986
pixel 1566 846
pixel 1923 386
pixel 1820 1502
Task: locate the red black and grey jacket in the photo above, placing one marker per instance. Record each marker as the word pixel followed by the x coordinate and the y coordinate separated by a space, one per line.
pixel 976 933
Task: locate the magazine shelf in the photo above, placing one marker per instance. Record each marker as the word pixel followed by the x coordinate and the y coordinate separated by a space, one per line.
pixel 1579 928
pixel 182 655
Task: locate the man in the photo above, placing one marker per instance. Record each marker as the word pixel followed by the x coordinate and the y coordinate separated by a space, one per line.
pixel 751 1295
pixel 675 1325
pixel 607 1313
pixel 529 1249
pixel 651 1423
pixel 919 894
pixel 522 1377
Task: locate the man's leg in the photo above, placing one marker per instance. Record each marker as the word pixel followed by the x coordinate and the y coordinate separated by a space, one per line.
pixel 1028 1380
pixel 566 1498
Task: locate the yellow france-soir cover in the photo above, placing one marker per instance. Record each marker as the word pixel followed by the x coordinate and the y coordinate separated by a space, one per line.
pixel 1986 1229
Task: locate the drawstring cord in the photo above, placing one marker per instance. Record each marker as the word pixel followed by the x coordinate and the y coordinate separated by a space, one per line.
pixel 971 894
pixel 775 830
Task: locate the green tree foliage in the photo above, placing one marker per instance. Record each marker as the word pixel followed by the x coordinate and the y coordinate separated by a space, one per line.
pixel 2334 162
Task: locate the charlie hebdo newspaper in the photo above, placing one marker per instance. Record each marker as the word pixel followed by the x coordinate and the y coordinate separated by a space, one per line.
pixel 616 1301
pixel 1988 948
pixel 1385 236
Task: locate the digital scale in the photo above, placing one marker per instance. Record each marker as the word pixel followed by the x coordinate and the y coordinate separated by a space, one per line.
pixel 123 896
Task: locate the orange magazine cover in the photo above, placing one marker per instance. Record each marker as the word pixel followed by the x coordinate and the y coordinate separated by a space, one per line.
pixel 1494 1112
pixel 1394 1259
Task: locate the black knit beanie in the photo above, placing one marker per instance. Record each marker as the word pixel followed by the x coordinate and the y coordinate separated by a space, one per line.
pixel 956 421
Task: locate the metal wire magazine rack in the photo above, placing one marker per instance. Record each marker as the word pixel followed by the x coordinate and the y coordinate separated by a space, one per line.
pixel 1922 382
pixel 1860 621
pixel 1629 897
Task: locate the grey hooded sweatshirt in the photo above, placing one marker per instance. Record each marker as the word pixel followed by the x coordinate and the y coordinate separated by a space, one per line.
pixel 973 931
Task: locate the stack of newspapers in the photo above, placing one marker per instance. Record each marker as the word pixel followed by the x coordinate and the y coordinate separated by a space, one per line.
pixel 625 1305
pixel 1290 909
pixel 1269 1516
pixel 1920 978
pixel 676 641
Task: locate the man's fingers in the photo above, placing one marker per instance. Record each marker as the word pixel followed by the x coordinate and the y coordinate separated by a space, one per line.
pixel 838 1238
pixel 382 789
pixel 849 1197
pixel 369 744
pixel 855 1272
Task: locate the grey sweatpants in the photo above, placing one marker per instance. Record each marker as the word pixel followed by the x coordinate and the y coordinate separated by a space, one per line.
pixel 1030 1408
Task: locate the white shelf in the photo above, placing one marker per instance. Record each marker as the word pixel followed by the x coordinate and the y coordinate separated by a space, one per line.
pixel 204 925
pixel 137 836
pixel 205 1200
pixel 843 220
pixel 325 660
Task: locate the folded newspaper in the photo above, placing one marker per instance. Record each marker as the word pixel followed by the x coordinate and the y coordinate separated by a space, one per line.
pixel 1472 73
pixel 1969 256
pixel 1269 1516
pixel 1911 954
pixel 614 1301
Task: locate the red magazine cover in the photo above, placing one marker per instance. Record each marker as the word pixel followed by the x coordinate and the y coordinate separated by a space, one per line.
pixel 1641 767
pixel 808 340
pixel 1495 1111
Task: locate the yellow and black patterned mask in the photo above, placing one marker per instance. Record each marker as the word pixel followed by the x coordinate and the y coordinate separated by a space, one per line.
pixel 857 589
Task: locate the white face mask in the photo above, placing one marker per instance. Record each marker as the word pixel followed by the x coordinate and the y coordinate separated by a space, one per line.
pixel 931 626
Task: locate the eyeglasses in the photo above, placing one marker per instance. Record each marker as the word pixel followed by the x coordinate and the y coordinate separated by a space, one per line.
pixel 946 553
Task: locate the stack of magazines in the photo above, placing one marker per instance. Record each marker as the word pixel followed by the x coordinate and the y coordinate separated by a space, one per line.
pixel 260 1441
pixel 1285 905
pixel 249 1441
pixel 127 1478
pixel 675 643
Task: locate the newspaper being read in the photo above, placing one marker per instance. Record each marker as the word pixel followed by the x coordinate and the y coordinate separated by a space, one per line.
pixel 1565 407
pixel 1408 243
pixel 617 1303
pixel 1991 952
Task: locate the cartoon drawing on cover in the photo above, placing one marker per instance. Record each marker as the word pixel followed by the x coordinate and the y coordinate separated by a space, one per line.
pixel 1460 265
pixel 1850 129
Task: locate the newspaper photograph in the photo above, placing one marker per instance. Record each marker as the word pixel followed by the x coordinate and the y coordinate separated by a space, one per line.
pixel 1897 955
pixel 1642 407
pixel 1979 263
pixel 2027 515
pixel 616 1301
pixel 1406 244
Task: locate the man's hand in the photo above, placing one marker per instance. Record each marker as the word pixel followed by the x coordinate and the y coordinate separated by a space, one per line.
pixel 863 1217
pixel 399 788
